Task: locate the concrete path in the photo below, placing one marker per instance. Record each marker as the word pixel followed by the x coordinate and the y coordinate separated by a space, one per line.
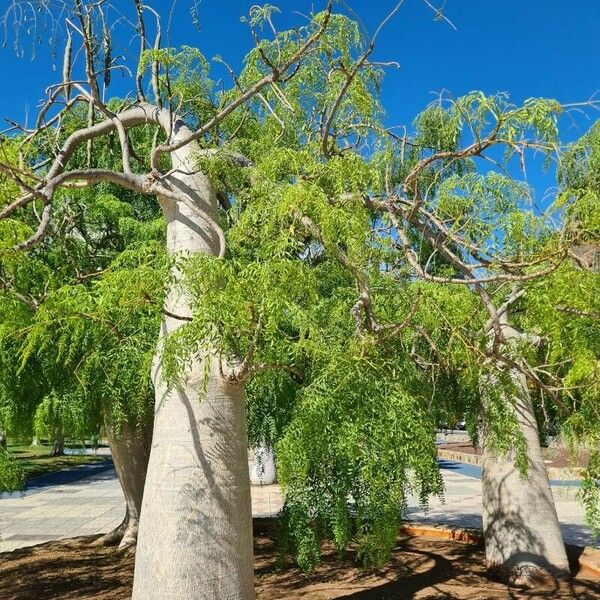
pixel 462 504
pixel 82 501
pixel 88 500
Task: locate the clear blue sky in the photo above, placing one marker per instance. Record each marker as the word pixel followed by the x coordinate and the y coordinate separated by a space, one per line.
pixel 525 47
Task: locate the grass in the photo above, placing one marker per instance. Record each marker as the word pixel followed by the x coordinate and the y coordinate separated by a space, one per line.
pixel 36 460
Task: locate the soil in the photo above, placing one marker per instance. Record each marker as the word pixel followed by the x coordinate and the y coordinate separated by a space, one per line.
pixel 421 568
pixel 557 458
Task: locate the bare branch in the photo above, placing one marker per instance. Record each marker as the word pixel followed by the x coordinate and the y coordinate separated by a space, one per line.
pixel 250 93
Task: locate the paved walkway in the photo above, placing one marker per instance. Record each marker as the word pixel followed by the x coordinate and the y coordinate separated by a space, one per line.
pixel 82 501
pixel 88 500
pixel 462 503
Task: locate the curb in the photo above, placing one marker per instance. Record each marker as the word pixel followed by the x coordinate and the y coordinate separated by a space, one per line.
pixel 589 559
pixel 468 536
pixel 464 457
pixel 558 477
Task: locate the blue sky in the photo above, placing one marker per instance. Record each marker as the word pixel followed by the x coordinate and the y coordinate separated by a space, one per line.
pixel 525 47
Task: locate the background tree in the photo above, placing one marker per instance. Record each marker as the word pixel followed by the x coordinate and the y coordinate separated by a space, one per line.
pixel 375 219
pixel 564 309
pixel 81 314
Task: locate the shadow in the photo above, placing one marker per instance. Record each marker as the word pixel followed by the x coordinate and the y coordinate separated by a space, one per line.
pixel 476 472
pixel 454 520
pixel 200 225
pixel 72 475
pixel 573 554
pixel 419 568
pixel 462 468
pixel 200 497
pixel 65 570
pixel 578 535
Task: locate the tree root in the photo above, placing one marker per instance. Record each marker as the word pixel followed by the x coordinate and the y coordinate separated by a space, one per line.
pixel 114 537
pixel 528 576
pixel 129 539
pixel 124 537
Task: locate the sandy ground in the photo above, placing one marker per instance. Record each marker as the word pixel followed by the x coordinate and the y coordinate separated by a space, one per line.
pixel 421 568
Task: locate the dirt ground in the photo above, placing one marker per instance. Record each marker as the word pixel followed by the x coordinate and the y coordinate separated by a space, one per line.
pixel 558 458
pixel 421 568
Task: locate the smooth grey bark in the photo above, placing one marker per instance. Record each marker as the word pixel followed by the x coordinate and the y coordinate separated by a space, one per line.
pixel 58 446
pixel 195 533
pixel 523 541
pixel 130 449
pixel 261 465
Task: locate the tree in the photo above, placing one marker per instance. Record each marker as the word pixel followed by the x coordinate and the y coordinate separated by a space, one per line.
pixel 197 493
pixel 565 308
pixel 102 336
pixel 317 213
pixel 514 245
pixel 373 220
pixel 80 318
pixel 480 225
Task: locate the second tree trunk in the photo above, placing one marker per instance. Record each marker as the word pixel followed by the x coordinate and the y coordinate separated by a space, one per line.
pixel 130 449
pixel 523 541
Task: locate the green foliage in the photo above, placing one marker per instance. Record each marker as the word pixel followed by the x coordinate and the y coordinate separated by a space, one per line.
pixel 350 413
pixel 580 193
pixel 81 310
pixel 359 441
pixel 565 308
pixel 103 334
pixel 12 477
pixel 190 86
pixel 55 414
pixel 349 405
pixel 589 494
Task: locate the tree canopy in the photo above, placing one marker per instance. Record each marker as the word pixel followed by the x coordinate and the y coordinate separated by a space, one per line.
pixel 362 282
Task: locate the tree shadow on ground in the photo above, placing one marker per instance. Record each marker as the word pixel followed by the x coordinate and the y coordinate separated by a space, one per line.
pixel 65 570
pixel 421 568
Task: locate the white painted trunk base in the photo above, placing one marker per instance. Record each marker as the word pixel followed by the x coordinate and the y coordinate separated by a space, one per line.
pixel 261 464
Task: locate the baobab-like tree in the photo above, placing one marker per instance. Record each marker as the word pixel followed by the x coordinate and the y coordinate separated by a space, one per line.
pixel 479 227
pixel 195 538
pixel 424 249
pixel 565 307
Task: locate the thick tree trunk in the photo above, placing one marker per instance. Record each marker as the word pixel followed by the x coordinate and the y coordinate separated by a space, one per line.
pixel 195 537
pixel 523 541
pixel 58 446
pixel 130 449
